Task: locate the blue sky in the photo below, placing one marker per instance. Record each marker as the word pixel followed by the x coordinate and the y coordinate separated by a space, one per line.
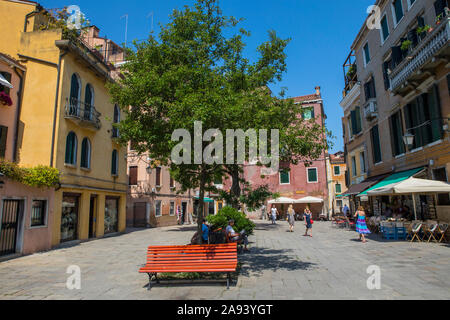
pixel 322 32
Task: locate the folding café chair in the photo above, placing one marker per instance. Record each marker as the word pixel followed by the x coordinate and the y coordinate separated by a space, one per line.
pixel 415 231
pixel 430 231
pixel 441 231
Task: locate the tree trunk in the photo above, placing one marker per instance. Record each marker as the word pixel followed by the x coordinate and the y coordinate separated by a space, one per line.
pixel 200 211
pixel 236 187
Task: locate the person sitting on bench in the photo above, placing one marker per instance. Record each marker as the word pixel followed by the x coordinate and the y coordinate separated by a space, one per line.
pixel 239 238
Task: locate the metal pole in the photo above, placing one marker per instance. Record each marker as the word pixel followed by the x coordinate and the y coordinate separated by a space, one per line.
pixel 414 204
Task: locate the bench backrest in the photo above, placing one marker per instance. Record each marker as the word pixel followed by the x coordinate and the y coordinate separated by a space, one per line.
pixel 212 253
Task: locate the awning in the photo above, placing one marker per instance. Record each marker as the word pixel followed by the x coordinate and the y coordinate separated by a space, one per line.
pixel 5 82
pixel 366 184
pixel 411 186
pixel 205 199
pixel 309 200
pixel 282 200
pixel 395 178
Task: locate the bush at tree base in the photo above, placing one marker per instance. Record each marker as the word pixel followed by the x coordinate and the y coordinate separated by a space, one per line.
pixel 241 222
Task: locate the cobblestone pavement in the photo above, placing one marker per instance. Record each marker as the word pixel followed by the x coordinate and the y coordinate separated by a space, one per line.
pixel 281 265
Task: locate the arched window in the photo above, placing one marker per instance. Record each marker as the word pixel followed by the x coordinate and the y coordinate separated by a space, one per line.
pixel 115 163
pixel 116 121
pixel 86 154
pixel 75 92
pixel 71 148
pixel 88 102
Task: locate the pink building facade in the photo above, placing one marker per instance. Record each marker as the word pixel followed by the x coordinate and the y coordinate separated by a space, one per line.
pixel 299 181
pixel 26 214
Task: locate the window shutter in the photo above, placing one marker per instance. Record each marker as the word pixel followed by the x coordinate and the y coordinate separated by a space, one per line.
pixel 358 120
pixel 158 177
pixel 412 36
pixel 420 22
pixel 376 145
pixel 133 176
pixel 353 120
pixel 387 81
pixel 434 110
pixel 366 91
pixel 3 136
pixel 373 91
pixel 439 7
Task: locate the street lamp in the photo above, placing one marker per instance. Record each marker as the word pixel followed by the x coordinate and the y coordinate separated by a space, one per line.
pixel 408 139
pixel 149 170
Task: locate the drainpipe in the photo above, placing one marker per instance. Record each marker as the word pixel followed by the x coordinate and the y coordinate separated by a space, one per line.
pixel 18 111
pixel 61 55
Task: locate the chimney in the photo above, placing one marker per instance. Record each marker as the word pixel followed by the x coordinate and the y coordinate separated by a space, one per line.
pixel 318 91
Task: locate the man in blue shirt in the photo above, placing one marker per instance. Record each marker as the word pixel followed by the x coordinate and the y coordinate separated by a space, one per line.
pixel 205 232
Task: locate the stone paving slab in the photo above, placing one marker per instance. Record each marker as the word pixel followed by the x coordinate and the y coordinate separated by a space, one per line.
pixel 281 265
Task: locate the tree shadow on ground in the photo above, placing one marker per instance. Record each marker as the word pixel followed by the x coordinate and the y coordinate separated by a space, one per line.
pixel 190 228
pixel 262 259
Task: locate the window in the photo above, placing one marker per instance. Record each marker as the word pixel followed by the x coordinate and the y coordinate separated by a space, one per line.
pixel 338 188
pixel 133 179
pixel 339 203
pixel 38 213
pixel 384 29
pixel 337 170
pixel 158 212
pixel 3 136
pixel 422 118
pixel 75 92
pixel 115 163
pixel 439 8
pixel 7 77
pixel 369 89
pixel 376 147
pixel 116 121
pixel 354 171
pixel 172 208
pixel 387 66
pixel 88 102
pixel 366 54
pixel 308 113
pixel 362 162
pixel 312 175
pixel 410 3
pixel 397 9
pixel 86 154
pixel 398 146
pixel 71 149
pixel 285 177
pixel 355 121
pixel 158 176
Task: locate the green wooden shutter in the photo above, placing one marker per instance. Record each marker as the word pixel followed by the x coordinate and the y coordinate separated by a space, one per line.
pixel 284 177
pixel 3 136
pixel 353 120
pixel 338 188
pixel 376 145
pixel 434 109
pixel 312 175
pixel 358 119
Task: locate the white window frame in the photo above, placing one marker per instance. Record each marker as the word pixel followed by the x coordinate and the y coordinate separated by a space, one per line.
pixel 317 174
pixel 334 171
pixel 394 17
pixel 381 29
pixel 174 209
pixel 160 208
pixel 45 225
pixel 285 184
pixel 364 54
pixel 410 4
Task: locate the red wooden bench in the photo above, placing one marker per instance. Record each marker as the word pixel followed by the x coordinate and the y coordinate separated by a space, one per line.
pixel 198 258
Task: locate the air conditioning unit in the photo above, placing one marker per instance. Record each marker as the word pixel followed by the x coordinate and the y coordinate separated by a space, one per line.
pixel 371 110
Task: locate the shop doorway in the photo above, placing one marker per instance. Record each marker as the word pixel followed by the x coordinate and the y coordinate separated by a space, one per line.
pixel 11 215
pixel 140 215
pixel 92 216
pixel 111 215
pixel 69 217
pixel 183 212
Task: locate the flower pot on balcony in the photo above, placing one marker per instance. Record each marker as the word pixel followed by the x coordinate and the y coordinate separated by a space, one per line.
pixel 5 99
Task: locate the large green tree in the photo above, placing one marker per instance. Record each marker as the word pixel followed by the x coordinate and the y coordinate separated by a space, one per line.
pixel 196 70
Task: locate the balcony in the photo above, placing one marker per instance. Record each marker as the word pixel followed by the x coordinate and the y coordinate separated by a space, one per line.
pixel 83 114
pixel 371 110
pixel 350 73
pixel 422 60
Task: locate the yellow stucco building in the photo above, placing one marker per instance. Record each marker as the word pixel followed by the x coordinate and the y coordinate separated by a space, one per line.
pixel 66 122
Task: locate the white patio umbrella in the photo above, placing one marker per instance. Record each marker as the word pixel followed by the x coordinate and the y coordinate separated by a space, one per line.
pixel 412 186
pixel 282 200
pixel 309 200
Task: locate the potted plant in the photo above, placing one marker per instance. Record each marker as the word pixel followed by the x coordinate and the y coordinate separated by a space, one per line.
pixel 406 45
pixel 5 99
pixel 424 29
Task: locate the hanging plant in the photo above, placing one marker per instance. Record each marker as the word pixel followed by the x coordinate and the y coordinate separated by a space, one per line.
pixel 423 29
pixel 406 45
pixel 5 99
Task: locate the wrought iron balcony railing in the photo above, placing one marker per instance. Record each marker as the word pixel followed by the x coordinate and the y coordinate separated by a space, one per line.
pixel 82 113
pixel 420 56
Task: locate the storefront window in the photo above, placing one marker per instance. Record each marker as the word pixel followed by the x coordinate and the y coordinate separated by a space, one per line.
pixel 111 215
pixel 69 218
